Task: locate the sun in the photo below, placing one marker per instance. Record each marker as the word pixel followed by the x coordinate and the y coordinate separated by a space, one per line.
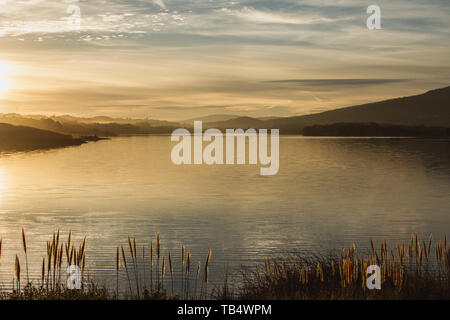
pixel 5 69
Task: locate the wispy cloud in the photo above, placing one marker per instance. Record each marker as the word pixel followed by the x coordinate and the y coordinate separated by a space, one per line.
pixel 339 82
pixel 160 3
pixel 257 16
pixel 255 56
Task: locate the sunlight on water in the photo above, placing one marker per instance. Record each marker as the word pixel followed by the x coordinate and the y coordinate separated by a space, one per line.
pixel 328 194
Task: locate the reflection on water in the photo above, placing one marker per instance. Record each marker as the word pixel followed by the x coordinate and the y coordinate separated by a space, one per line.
pixel 328 194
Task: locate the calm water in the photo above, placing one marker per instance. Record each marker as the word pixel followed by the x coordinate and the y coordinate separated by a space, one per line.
pixel 328 194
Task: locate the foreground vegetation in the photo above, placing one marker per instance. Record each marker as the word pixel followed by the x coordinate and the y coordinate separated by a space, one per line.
pixel 419 269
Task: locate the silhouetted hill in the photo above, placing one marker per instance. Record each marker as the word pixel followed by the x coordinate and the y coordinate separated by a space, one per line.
pixel 431 109
pixel 210 118
pixel 428 109
pixel 20 138
pixel 374 130
pixel 100 126
pixel 241 122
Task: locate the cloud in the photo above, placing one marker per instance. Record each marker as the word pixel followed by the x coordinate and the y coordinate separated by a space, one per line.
pixel 339 82
pixel 258 16
pixel 159 3
pixel 221 54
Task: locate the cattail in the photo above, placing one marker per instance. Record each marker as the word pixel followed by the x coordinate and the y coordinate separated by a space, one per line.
pixel 429 243
pixel 69 243
pixel 151 254
pixel 24 245
pixel 17 271
pixel 1 249
pixel 24 241
pixel 186 271
pixel 145 265
pixel 163 268
pixel 208 258
pixel 130 247
pixel 372 247
pixel 182 254
pixel 134 256
pixel 171 269
pixel 151 265
pixel 158 252
pixel 117 271
pixel 445 241
pixel 170 264
pixel 126 269
pixel 71 256
pixel 197 273
pixel 158 246
pixel 49 263
pixel 182 266
pixel 83 247
pixel 57 238
pixel 124 258
pixel 43 272
pixel 60 256
pixel 205 279
pixel 188 263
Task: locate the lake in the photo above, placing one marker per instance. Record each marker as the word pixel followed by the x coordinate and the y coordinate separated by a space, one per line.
pixel 328 194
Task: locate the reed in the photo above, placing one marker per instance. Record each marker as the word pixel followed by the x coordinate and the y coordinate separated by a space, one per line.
pixel 197 274
pixel 205 275
pixel 24 246
pixel 170 270
pixel 17 272
pixel 163 272
pixel 43 273
pixel 133 254
pixel 117 270
pixel 124 259
pixel 151 266
pixel 145 266
pixel 158 248
pixel 182 266
pixel 187 273
pixel 415 269
pixel 411 270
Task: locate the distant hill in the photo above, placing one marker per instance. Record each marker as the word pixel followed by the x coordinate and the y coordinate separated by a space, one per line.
pixel 269 118
pixel 241 122
pixel 20 138
pixel 431 109
pixel 210 118
pixel 428 109
pixel 100 126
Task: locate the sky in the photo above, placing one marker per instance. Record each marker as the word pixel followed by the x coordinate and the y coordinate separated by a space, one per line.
pixel 178 59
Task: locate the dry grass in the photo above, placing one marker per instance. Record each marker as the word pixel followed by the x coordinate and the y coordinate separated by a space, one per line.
pixel 418 270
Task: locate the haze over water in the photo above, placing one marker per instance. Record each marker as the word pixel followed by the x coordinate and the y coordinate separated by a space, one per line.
pixel 328 194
